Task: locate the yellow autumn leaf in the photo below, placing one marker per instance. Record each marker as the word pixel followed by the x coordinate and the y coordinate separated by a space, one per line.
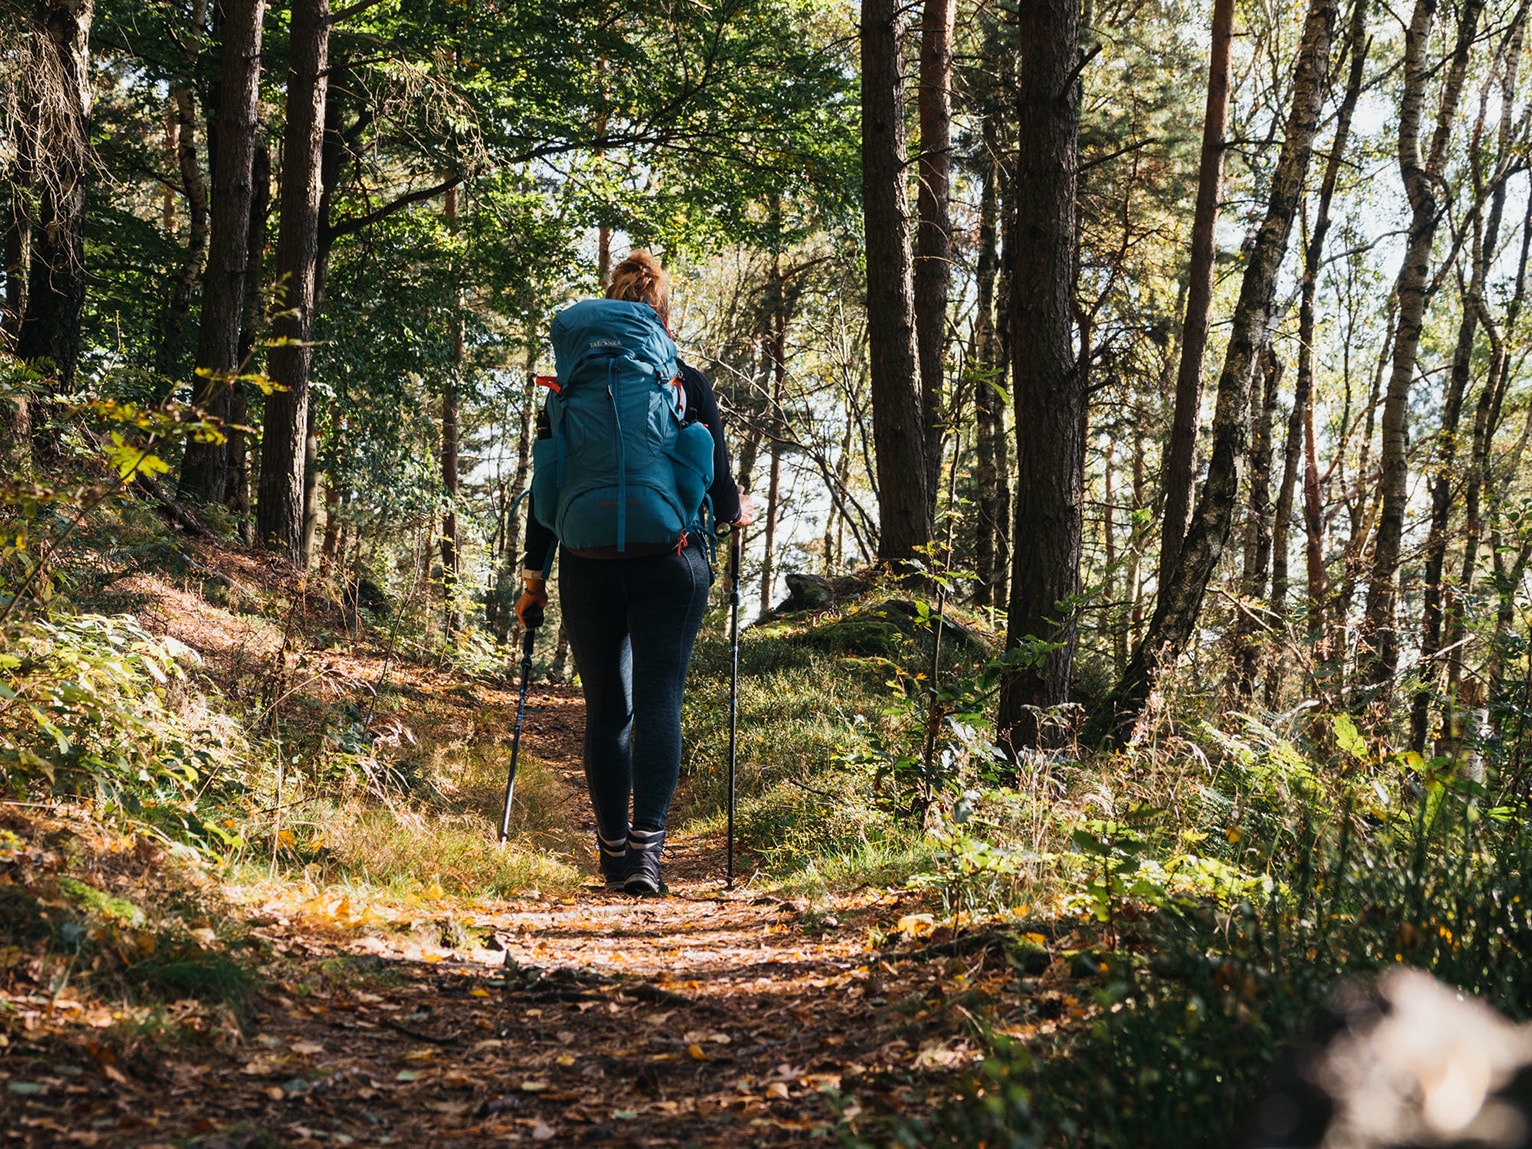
pixel 696 1052
pixel 916 925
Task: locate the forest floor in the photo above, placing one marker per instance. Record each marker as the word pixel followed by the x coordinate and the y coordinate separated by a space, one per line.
pixel 712 1017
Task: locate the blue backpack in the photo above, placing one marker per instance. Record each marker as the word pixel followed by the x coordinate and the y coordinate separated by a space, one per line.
pixel 617 464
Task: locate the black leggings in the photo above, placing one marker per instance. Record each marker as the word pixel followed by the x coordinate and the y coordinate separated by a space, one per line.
pixel 631 625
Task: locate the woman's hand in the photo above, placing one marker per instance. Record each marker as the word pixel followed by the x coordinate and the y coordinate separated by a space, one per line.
pixel 746 510
pixel 534 593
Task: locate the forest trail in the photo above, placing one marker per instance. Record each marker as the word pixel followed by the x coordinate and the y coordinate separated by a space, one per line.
pixel 711 1017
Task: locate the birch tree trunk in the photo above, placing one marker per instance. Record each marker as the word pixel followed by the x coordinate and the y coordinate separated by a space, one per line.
pixel 1378 651
pixel 1300 423
pixel 1180 599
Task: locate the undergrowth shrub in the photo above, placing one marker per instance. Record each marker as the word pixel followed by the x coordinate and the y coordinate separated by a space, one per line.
pixel 93 705
pixel 1296 864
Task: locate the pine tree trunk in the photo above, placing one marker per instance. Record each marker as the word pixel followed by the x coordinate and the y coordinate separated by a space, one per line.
pixel 279 512
pixel 1378 652
pixel 237 493
pixel 933 238
pixel 182 131
pixel 988 405
pixel 1180 599
pixel 451 434
pixel 1181 457
pixel 776 353
pixel 1049 389
pixel 905 494
pixel 205 468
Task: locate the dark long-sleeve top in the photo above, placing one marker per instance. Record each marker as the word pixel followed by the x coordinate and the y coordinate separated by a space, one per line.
pixel 702 405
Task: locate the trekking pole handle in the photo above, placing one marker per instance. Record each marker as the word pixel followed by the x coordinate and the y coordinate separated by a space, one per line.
pixel 532 617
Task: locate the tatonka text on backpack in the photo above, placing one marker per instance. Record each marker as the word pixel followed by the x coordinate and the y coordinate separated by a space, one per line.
pixel 615 463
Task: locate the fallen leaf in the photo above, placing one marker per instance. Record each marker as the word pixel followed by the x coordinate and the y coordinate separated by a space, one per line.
pixel 534 1086
pixel 307 1048
pixel 542 1133
pixel 696 1052
pixel 408 1075
pixel 778 1090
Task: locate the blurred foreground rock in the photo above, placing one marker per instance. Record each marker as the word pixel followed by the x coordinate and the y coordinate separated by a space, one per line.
pixel 1410 1063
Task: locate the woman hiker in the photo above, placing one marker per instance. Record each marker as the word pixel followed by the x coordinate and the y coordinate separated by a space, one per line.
pixel 631 619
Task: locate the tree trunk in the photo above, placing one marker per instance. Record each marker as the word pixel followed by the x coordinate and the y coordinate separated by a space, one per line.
pixel 205 468
pixel 1181 461
pixel 777 351
pixel 237 490
pixel 1378 652
pixel 279 512
pixel 18 224
pixel 1300 427
pixel 50 326
pixel 1487 412
pixel 1048 378
pixel 988 406
pixel 1257 558
pixel 181 130
pixel 1486 239
pixel 1180 599
pixel 906 497
pixel 451 434
pixel 933 237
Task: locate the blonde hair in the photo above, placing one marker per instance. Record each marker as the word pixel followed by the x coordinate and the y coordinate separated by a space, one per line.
pixel 641 279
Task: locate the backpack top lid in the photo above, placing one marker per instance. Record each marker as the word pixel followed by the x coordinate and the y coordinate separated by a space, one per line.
pixel 603 329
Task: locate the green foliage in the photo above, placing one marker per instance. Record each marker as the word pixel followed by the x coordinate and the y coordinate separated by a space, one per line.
pixel 1302 867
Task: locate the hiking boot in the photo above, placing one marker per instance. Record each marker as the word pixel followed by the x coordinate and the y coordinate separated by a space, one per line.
pixel 643 869
pixel 613 853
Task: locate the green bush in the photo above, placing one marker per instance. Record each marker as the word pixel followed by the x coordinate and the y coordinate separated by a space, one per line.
pixel 1317 862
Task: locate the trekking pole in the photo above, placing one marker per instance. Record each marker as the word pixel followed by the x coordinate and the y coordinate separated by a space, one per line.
pixel 533 620
pixel 733 534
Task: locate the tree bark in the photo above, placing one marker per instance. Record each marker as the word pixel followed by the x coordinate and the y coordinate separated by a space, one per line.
pixel 1378 650
pixel 1486 240
pixel 1257 559
pixel 1181 461
pixel 933 236
pixel 1180 599
pixel 205 468
pixel 776 343
pixel 237 490
pixel 988 405
pixel 279 511
pixel 906 497
pixel 451 434
pixel 1300 444
pixel 50 326
pixel 181 143
pixel 1048 378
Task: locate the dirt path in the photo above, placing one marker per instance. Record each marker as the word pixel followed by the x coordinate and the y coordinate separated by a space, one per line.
pixel 697 1020
pixel 707 1018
